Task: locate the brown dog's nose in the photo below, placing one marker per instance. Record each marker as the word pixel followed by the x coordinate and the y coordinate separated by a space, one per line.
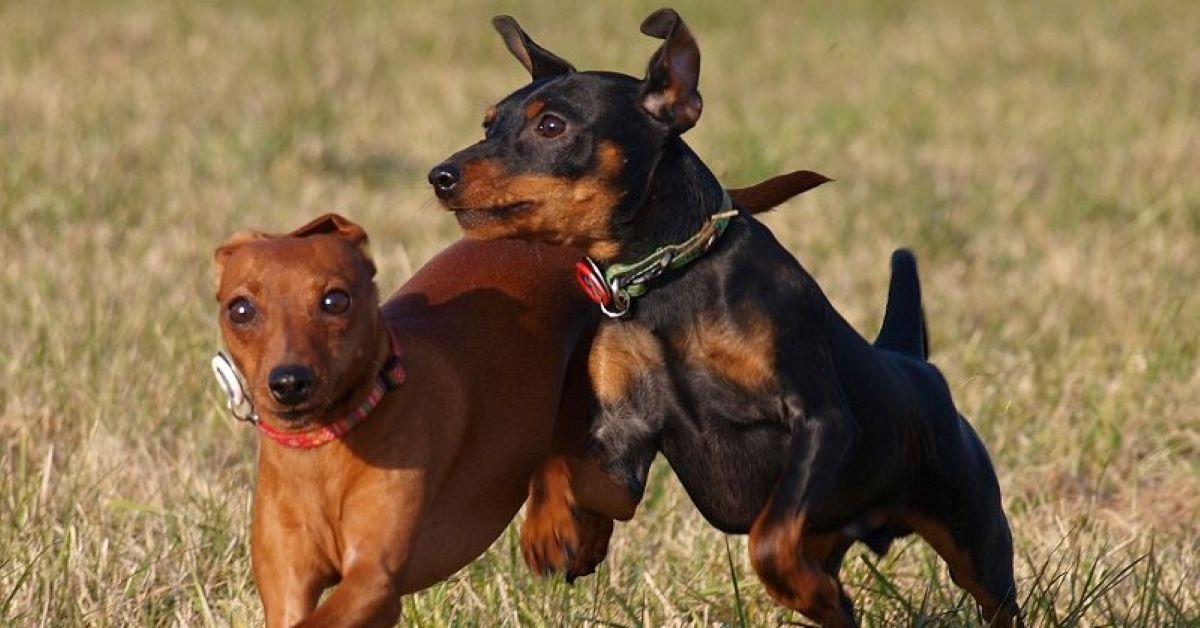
pixel 290 384
pixel 443 178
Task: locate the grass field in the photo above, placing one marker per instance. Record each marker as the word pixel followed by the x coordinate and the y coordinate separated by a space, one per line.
pixel 1042 158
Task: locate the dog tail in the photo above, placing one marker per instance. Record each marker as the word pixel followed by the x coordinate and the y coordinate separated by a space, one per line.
pixel 766 195
pixel 903 328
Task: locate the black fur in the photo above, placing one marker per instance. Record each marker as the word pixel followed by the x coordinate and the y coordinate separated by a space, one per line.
pixel 851 436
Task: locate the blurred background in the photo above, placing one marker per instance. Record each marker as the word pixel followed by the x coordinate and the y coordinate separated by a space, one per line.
pixel 1041 158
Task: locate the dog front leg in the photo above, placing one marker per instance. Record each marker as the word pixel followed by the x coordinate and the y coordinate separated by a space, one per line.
pixel 367 596
pixel 572 504
pixel 789 563
pixel 289 576
pixel 288 596
pixel 558 534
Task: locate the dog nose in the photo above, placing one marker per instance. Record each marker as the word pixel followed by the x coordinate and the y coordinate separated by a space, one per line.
pixel 290 384
pixel 443 178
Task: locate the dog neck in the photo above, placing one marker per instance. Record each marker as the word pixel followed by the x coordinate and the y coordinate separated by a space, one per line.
pixel 681 196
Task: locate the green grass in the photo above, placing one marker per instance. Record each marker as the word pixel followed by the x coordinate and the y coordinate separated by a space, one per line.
pixel 1040 157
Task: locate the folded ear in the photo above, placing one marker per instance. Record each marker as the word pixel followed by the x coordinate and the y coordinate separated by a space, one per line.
pixel 669 92
pixel 342 227
pixel 221 255
pixel 334 224
pixel 537 60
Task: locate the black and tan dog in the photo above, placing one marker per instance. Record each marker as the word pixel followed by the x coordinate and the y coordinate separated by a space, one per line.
pixel 722 352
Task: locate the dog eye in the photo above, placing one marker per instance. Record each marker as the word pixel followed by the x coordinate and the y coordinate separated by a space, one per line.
pixel 241 311
pixel 551 126
pixel 335 302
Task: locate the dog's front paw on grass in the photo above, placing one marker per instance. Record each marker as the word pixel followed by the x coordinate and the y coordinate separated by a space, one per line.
pixel 791 577
pixel 557 536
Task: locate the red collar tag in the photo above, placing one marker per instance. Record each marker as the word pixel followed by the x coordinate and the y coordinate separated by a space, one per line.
pixel 592 281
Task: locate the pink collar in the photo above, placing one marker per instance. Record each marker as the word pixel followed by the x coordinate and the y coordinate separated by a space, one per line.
pixel 390 377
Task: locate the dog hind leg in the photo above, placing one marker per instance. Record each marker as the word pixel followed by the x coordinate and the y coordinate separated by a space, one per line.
pixel 965 523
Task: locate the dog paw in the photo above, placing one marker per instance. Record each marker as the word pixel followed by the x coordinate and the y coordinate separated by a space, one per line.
pixel 557 536
pixel 594 532
pixel 778 555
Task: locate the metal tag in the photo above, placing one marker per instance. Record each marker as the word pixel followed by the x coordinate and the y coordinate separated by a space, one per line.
pixel 232 385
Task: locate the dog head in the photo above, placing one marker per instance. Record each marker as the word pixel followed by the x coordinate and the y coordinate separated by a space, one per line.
pixel 567 158
pixel 300 315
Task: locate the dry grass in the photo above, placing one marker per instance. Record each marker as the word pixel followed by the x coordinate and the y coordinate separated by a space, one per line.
pixel 1041 158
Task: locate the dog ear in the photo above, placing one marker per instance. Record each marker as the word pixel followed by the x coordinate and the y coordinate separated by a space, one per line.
pixel 537 60
pixel 332 224
pixel 221 255
pixel 669 92
pixel 342 227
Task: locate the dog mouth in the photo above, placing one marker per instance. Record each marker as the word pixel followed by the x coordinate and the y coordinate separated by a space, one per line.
pixel 478 217
pixel 295 415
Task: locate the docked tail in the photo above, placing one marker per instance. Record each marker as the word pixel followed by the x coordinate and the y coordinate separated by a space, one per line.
pixel 903 328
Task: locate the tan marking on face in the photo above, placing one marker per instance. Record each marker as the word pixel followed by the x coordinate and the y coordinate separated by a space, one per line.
pixel 739 348
pixel 619 354
pixel 562 211
pixel 533 108
pixel 489 116
pixel 611 159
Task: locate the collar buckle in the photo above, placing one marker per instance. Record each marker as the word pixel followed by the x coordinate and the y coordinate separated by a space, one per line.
pixel 611 296
pixel 615 288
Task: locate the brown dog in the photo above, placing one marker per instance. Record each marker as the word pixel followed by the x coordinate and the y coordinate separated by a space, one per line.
pixel 489 382
pixel 387 474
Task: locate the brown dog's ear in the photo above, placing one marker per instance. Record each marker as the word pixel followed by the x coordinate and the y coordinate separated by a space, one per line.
pixel 221 255
pixel 768 194
pixel 669 92
pixel 537 60
pixel 342 227
pixel 332 224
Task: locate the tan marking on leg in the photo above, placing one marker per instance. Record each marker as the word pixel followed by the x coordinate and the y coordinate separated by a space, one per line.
pixel 739 349
pixel 620 353
pixel 786 565
pixel 962 569
pixel 556 535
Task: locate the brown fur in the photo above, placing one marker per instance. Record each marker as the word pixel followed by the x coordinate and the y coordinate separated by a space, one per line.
pixel 962 569
pixel 618 355
pixel 552 512
pixel 796 579
pixel 552 204
pixel 533 108
pixel 437 471
pixel 742 351
pixel 767 195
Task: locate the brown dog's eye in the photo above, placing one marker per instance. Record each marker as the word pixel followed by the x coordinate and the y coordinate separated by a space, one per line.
pixel 551 126
pixel 335 302
pixel 241 311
